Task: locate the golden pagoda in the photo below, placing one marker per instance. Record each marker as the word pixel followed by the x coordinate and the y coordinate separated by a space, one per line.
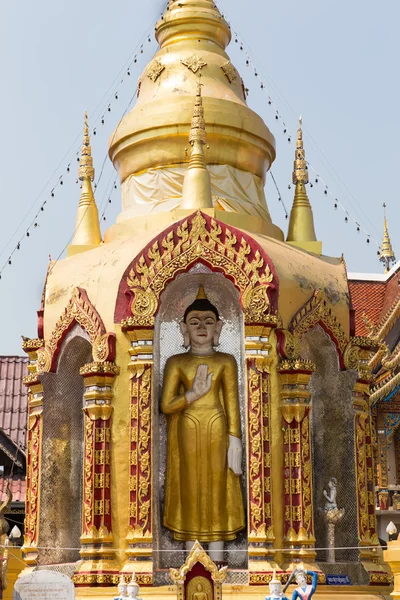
pixel 386 254
pixel 269 362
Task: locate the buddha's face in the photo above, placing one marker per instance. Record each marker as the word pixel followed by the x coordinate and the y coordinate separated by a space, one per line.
pixel 199 587
pixel 301 579
pixel 202 328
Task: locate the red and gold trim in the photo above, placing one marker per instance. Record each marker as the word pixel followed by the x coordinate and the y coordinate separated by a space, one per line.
pixel 140 534
pixel 367 532
pixel 34 453
pixel 299 537
pixel 97 551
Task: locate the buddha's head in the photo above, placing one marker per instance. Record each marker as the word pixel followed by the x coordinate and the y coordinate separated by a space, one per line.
pixel 201 325
pixel 332 482
pixel 199 587
pixel 301 578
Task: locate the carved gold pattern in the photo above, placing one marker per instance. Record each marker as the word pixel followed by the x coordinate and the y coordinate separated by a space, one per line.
pixel 140 469
pixel 34 445
pixel 194 63
pixel 99 368
pixel 80 310
pixel 199 240
pixel 30 345
pixel 365 483
pixel 198 555
pixel 88 477
pixel 96 579
pixel 259 460
pixel 296 365
pixel 230 72
pixel 319 310
pixel 155 69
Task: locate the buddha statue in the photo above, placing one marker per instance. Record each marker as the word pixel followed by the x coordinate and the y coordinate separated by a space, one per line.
pixel 200 398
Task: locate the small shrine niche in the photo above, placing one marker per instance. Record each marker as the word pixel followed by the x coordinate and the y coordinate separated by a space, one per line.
pixel 199 578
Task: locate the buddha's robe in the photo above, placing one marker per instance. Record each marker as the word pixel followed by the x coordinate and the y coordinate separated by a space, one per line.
pixel 203 497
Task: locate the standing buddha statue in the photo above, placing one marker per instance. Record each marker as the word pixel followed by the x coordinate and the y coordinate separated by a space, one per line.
pixel 203 496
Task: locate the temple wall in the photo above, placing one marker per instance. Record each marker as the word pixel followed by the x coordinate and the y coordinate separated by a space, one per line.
pixel 333 442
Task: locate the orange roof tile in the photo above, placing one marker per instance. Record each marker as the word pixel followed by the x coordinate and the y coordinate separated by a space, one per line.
pixel 17 487
pixel 13 398
pixel 367 297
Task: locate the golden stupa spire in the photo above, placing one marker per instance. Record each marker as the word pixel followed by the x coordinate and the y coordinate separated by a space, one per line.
pixel 386 254
pixel 196 191
pixel 87 231
pixel 301 231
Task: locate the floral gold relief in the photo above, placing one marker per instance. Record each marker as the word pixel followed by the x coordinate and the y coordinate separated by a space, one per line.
pixel 201 239
pixel 140 528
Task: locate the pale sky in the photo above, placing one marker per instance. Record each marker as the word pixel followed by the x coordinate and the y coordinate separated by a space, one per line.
pixel 334 62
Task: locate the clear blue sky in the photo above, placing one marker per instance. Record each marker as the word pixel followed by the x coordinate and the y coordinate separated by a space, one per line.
pixel 335 62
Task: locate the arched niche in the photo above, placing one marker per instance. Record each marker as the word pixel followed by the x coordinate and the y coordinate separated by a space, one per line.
pixel 168 341
pixel 332 422
pixel 62 453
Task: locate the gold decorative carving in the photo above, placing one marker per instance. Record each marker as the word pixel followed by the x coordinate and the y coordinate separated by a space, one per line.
pixel 98 368
pixel 140 476
pixel 296 365
pixel 155 69
pixel 88 475
pixel 319 310
pixel 230 72
pixel 196 239
pixel 198 555
pixel 194 63
pixel 96 579
pixel 29 345
pixel 80 310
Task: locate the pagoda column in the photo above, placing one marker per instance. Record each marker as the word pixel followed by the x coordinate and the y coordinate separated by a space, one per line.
pixel 34 453
pixel 299 539
pixel 364 472
pixel 98 565
pixel 140 536
pixel 260 530
pixel 382 465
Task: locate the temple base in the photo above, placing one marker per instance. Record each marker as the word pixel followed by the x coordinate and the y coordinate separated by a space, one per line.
pixel 233 592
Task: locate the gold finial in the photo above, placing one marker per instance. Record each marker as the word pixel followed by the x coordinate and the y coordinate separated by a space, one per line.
pixel 196 191
pixel 301 230
pixel 300 172
pixel 386 254
pixel 87 233
pixel 86 161
pixel 201 295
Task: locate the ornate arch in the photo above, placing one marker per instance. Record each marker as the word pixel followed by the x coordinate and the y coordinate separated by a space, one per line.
pixel 317 311
pixel 199 238
pixel 81 311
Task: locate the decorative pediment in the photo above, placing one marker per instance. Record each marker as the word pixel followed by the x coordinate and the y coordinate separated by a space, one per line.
pixel 81 311
pixel 203 239
pixel 199 555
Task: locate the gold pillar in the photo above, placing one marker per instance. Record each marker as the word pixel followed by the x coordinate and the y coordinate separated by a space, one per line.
pixel 259 477
pixel 364 472
pixel 299 540
pixel 98 565
pixel 140 531
pixel 34 453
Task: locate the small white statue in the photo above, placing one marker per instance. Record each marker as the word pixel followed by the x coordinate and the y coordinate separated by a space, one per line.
pixel 133 590
pixel 275 589
pixel 330 496
pixel 122 589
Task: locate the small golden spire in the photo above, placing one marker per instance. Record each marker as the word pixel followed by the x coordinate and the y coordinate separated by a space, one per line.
pixel 201 295
pixel 301 231
pixel 386 254
pixel 86 161
pixel 196 191
pixel 87 231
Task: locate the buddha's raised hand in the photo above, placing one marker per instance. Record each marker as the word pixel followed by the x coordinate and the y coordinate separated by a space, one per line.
pixel 201 384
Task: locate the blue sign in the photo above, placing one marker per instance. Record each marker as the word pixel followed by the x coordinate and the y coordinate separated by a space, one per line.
pixel 338 580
